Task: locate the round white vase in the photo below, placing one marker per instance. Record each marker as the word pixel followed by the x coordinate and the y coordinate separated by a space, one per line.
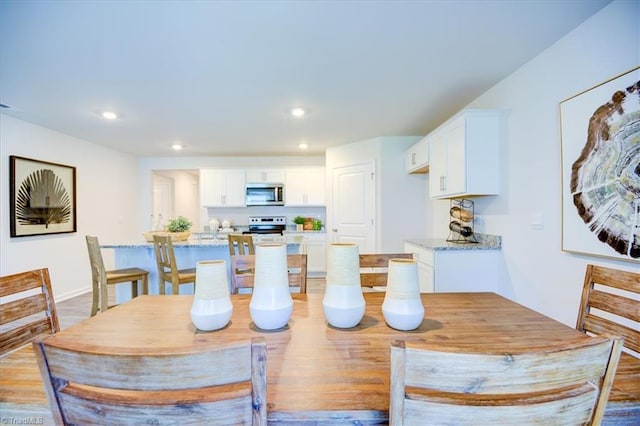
pixel 211 308
pixel 402 307
pixel 343 303
pixel 271 303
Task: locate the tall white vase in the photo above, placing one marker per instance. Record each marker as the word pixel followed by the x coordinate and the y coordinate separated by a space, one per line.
pixel 211 308
pixel 343 302
pixel 271 303
pixel 402 308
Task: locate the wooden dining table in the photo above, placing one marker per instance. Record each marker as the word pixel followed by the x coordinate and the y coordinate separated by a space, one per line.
pixel 315 373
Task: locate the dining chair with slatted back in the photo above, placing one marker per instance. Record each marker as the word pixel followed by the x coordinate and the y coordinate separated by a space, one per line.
pixel 29 309
pixel 610 305
pixel 609 295
pixel 241 244
pixel 168 271
pixel 373 268
pixel 242 271
pixel 89 386
pixel 567 385
pixel 102 278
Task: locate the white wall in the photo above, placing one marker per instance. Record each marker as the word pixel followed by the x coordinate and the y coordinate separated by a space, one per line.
pixel 536 272
pixel 106 194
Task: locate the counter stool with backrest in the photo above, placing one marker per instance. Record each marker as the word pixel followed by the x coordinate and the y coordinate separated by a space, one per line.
pixel 610 306
pixel 29 310
pixel 241 244
pixel 102 278
pixel 168 271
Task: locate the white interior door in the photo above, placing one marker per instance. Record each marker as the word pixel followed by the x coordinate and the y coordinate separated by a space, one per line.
pixel 353 206
pixel 163 199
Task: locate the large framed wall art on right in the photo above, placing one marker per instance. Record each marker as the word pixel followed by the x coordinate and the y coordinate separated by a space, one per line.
pixel 600 149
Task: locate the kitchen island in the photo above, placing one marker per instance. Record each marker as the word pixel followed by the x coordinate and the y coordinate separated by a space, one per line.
pixel 140 254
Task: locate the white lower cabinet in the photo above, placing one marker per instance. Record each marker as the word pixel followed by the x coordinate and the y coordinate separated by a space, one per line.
pixel 444 270
pixel 314 245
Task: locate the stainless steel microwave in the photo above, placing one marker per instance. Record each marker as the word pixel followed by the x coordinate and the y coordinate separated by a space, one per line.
pixel 264 194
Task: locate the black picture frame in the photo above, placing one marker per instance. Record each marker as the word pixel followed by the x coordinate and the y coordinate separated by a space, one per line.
pixel 42 197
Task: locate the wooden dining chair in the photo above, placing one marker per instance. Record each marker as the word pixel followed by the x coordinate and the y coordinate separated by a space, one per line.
pixel 168 271
pixel 610 306
pixel 567 385
pixel 89 385
pixel 101 278
pixel 28 309
pixel 241 244
pixel 243 267
pixel 373 268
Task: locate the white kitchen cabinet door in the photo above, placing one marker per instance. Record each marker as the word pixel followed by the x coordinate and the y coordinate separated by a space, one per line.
pixel 444 271
pixel 265 175
pixel 304 187
pixel 464 156
pixel 315 246
pixel 417 157
pixel 222 188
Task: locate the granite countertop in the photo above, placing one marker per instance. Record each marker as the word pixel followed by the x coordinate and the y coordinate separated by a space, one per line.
pixel 485 242
pixel 191 243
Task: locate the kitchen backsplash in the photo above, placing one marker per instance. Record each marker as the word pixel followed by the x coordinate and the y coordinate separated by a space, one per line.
pixel 239 216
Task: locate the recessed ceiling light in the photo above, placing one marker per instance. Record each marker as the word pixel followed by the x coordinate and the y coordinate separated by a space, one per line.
pixel 297 112
pixel 176 146
pixel 108 115
pixel 303 145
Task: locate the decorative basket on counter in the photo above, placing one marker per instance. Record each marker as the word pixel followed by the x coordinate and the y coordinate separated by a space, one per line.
pixel 175 236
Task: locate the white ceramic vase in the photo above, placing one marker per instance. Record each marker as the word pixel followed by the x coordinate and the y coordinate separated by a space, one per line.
pixel 343 303
pixel 271 303
pixel 402 307
pixel 211 308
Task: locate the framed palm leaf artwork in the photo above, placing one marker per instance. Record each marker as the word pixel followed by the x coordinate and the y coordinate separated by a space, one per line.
pixel 43 197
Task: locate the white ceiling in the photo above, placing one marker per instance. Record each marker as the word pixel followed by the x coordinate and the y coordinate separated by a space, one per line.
pixel 221 76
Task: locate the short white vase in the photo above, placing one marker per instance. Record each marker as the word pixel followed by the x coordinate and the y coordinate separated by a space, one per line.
pixel 271 303
pixel 343 303
pixel 402 307
pixel 211 308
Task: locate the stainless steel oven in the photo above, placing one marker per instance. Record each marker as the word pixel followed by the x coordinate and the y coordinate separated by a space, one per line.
pixel 267 229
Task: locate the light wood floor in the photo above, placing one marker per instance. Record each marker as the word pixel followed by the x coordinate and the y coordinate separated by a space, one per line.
pixel 76 309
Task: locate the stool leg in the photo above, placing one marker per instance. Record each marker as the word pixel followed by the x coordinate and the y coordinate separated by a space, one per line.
pixel 145 284
pixel 134 289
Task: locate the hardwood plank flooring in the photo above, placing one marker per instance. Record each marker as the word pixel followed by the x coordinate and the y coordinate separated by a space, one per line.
pixel 76 309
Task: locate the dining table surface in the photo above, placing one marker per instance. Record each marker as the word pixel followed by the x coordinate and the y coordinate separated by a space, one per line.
pixel 316 373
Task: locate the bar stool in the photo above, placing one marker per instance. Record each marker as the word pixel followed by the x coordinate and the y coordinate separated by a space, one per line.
pixel 168 271
pixel 102 278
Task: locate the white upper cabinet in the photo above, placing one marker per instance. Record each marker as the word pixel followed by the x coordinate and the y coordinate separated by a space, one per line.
pixel 222 188
pixel 464 156
pixel 304 187
pixel 417 157
pixel 265 175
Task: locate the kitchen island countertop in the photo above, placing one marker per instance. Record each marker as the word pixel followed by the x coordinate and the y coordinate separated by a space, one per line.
pixel 485 242
pixel 191 243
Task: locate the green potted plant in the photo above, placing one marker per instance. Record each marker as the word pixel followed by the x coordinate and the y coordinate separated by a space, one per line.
pixel 299 221
pixel 178 229
pixel 179 224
